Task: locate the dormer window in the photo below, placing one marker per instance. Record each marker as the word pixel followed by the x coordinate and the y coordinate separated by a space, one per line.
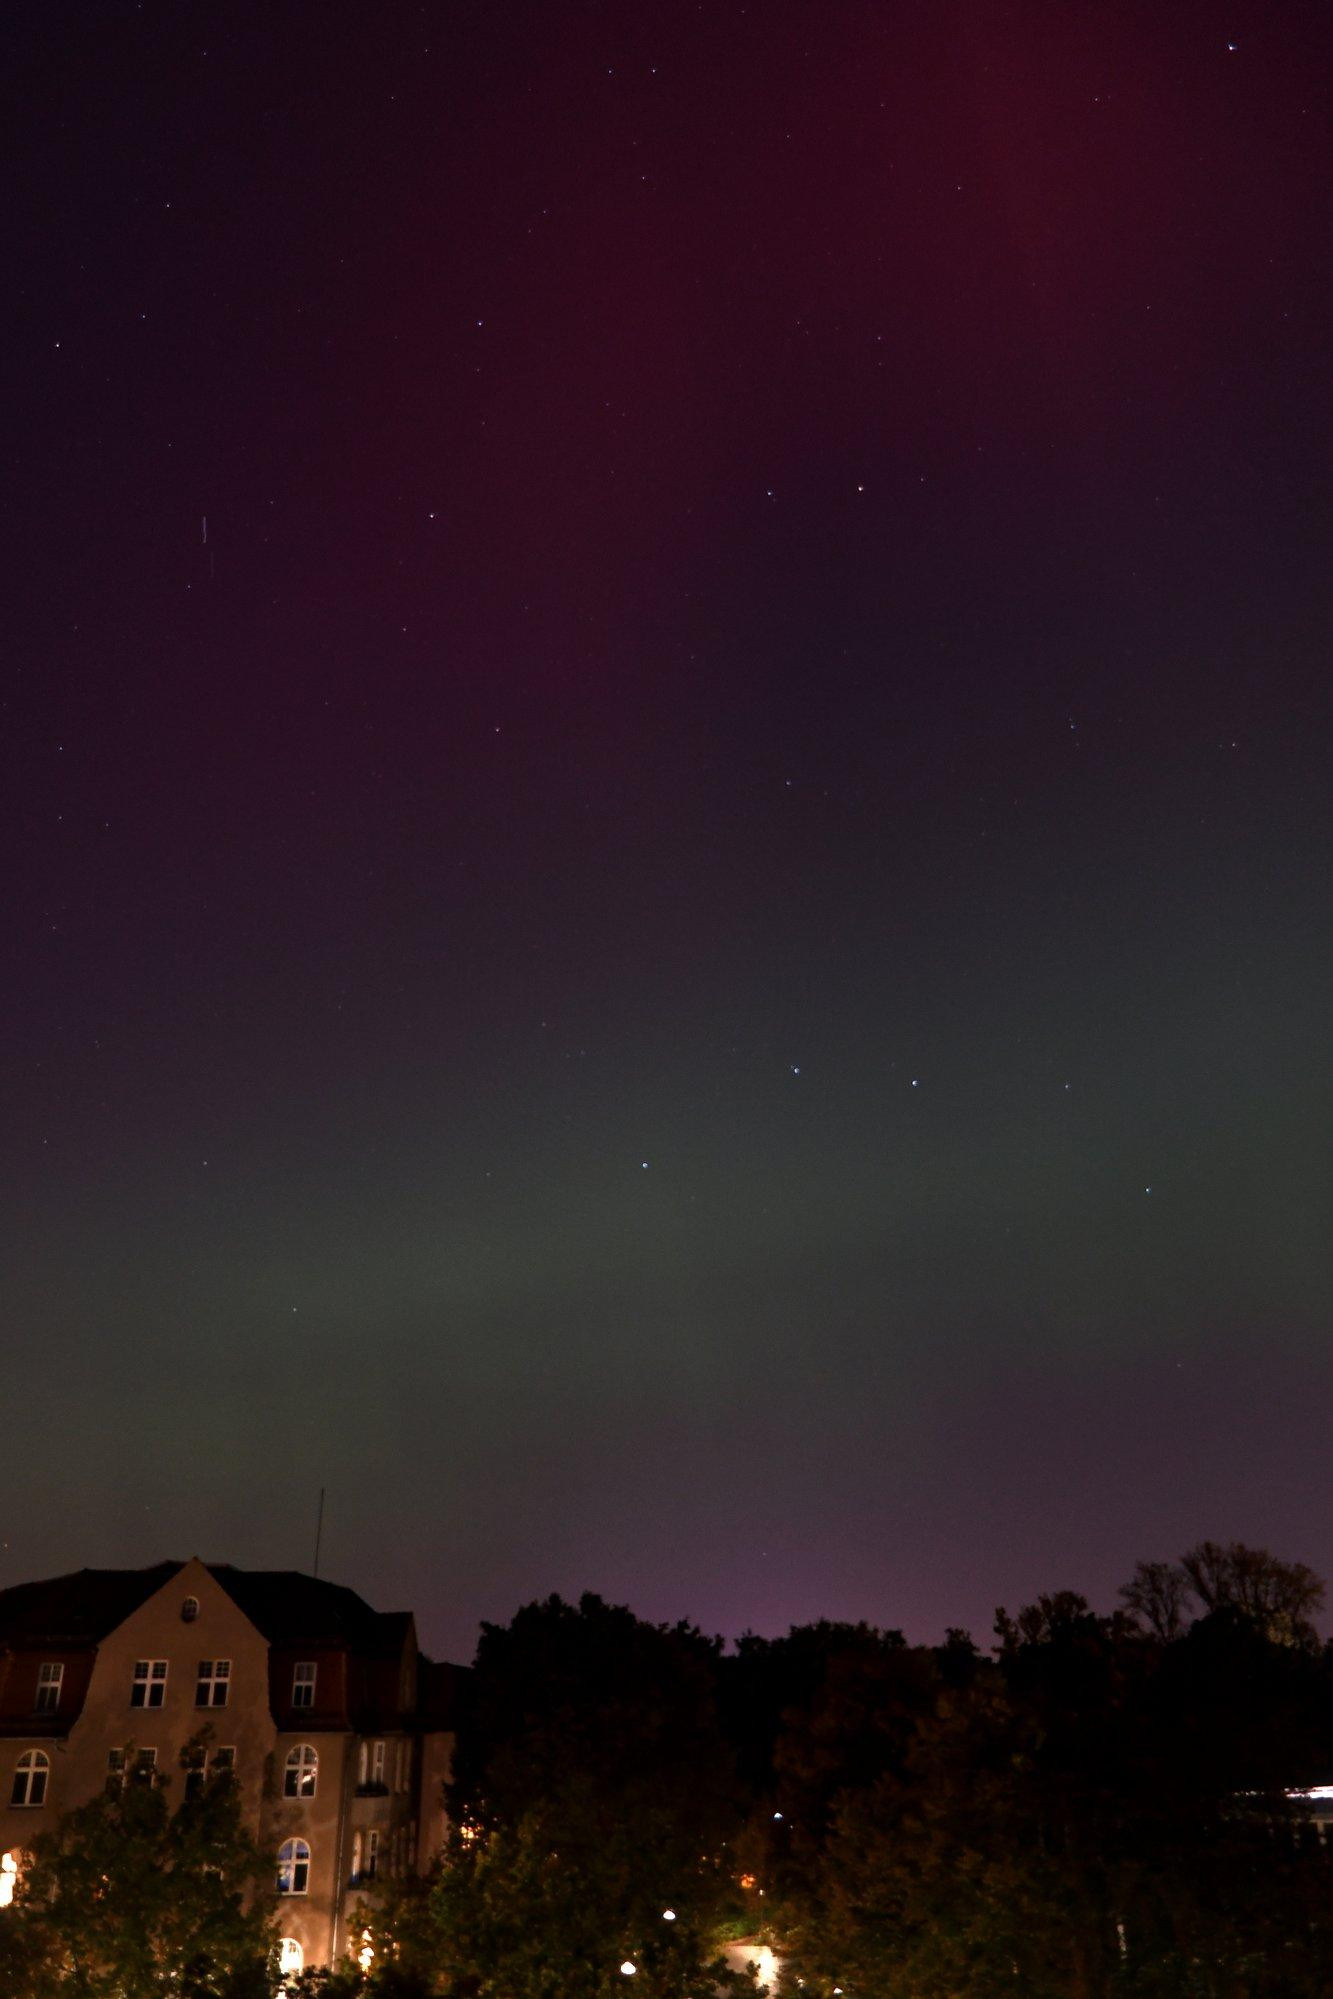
pixel 47 1699
pixel 303 1683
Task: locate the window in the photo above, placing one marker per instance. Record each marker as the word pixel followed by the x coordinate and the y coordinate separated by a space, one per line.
pixel 372 1853
pixel 301 1773
pixel 291 1958
pixel 189 1610
pixel 9 1878
pixel 115 1769
pixel 30 1775
pixel 150 1683
pixel 200 1768
pixel 377 1763
pixel 363 1765
pixel 357 1849
pixel 303 1684
pixel 398 1764
pixel 211 1688
pixel 48 1688
pixel 293 1867
pixel 145 1766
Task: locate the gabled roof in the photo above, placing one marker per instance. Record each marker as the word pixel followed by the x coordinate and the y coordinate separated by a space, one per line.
pixel 292 1609
pixel 78 1609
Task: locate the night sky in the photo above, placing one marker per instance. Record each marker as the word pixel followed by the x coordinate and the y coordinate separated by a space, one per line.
pixel 687 951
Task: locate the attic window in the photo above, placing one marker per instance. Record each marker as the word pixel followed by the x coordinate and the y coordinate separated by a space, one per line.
pixel 189 1610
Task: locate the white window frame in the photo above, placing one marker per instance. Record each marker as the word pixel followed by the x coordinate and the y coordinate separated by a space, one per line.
pixel 305 1674
pixel 115 1768
pixel 50 1677
pixel 149 1683
pixel 213 1681
pixel 32 1773
pixel 377 1762
pixel 300 1774
pixel 294 1862
pixel 372 1853
pixel 144 1768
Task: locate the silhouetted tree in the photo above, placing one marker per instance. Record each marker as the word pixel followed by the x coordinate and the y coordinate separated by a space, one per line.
pixel 125 1899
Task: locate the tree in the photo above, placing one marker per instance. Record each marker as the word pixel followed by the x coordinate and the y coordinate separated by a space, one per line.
pixel 595 1803
pixel 1158 1596
pixel 124 1899
pixel 1280 1598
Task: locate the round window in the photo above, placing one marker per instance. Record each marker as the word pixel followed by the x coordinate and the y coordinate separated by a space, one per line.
pixel 190 1609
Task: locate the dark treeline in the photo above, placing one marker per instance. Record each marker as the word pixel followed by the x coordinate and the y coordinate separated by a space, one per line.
pixel 1099 1807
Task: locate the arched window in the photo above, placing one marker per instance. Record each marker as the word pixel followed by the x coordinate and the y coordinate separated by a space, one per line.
pixel 9 1878
pixel 30 1778
pixel 357 1851
pixel 291 1958
pixel 293 1867
pixel 302 1772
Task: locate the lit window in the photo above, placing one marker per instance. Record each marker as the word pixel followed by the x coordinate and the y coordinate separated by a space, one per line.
pixel 293 1867
pixel 372 1853
pixel 358 1848
pixel 30 1775
pixel 213 1684
pixel 363 1764
pixel 150 1683
pixel 291 1958
pixel 303 1684
pixel 377 1763
pixel 145 1766
pixel 301 1773
pixel 48 1688
pixel 9 1878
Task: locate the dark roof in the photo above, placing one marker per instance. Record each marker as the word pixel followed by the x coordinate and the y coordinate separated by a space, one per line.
pixel 292 1609
pixel 288 1608
pixel 441 1690
pixel 78 1609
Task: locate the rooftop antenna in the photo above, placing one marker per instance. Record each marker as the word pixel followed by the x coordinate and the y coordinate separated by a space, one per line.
pixel 319 1531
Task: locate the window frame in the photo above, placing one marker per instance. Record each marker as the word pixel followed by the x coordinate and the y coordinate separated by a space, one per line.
pixel 372 1859
pixel 377 1760
pixel 147 1682
pixel 32 1773
pixel 305 1677
pixel 302 1762
pixel 209 1683
pixel 143 1770
pixel 50 1682
pixel 294 1861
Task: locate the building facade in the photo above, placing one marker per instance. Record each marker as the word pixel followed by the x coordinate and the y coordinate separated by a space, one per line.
pixel 337 1732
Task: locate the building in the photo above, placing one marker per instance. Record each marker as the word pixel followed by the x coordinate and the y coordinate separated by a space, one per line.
pixel 336 1729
